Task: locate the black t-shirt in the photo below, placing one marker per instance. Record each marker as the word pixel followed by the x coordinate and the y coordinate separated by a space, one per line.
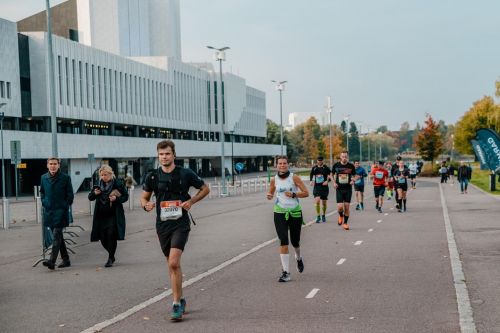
pixel 169 187
pixel 319 174
pixel 344 173
pixel 400 176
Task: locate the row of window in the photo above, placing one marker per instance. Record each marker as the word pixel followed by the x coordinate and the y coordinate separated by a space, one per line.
pixel 5 90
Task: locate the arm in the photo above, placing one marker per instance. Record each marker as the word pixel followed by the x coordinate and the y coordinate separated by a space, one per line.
pixel 272 189
pixel 70 196
pixel 124 193
pixel 145 203
pixel 203 192
pixel 303 193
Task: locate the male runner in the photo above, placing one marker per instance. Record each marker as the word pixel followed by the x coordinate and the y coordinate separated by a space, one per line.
pixel 390 181
pixel 413 174
pixel 401 179
pixel 319 178
pixel 287 214
pixel 380 175
pixel 359 185
pixel 170 184
pixel 345 174
pixel 395 166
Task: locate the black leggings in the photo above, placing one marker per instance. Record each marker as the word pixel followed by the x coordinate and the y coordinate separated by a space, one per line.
pixel 109 240
pixel 282 226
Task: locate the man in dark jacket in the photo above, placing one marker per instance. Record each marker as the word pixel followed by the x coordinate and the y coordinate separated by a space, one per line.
pixel 464 175
pixel 57 197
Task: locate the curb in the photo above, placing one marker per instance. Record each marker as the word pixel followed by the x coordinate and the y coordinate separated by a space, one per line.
pixel 487 193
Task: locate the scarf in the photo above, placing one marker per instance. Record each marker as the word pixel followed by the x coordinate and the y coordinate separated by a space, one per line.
pixel 284 175
pixel 106 189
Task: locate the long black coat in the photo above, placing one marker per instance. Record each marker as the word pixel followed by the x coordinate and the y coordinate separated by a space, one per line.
pixel 118 216
pixel 57 196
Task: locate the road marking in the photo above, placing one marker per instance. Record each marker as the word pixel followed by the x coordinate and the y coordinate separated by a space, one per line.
pixel 358 242
pixel 464 307
pixel 379 221
pixel 312 293
pixel 100 326
pixel 341 261
pixel 370 230
pixel 386 214
pixel 392 208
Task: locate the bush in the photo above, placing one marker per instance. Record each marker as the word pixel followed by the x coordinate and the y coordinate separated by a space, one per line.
pixel 429 170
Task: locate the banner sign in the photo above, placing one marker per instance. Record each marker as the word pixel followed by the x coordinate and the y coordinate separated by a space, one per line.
pixel 481 156
pixel 490 143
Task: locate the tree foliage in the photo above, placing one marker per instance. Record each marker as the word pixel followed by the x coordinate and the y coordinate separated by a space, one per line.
pixel 429 142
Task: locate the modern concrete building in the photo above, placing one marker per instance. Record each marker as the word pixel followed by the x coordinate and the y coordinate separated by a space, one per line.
pixel 116 108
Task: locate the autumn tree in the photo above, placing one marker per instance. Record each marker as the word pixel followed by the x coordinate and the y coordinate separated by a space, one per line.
pixel 429 142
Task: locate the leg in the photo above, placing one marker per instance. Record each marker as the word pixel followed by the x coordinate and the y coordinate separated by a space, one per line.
pixel 175 271
pixel 317 200
pixel 281 226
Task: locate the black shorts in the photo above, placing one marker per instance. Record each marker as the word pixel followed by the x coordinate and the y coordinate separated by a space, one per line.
pixel 294 224
pixel 379 191
pixel 321 192
pixel 359 188
pixel 413 176
pixel 344 195
pixel 173 238
pixel 403 187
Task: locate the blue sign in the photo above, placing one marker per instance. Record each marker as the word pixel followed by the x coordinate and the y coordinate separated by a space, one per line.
pixel 239 166
pixel 490 143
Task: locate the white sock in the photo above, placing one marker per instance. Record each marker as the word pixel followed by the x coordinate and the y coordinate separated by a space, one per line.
pixel 285 262
pixel 297 253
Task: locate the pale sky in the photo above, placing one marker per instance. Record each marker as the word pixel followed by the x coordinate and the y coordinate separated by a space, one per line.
pixel 382 61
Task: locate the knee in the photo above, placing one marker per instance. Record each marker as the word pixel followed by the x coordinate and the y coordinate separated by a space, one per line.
pixel 174 265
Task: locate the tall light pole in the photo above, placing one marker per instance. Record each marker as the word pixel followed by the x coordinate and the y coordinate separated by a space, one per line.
pixel 280 86
pixel 220 56
pixel 369 140
pixel 380 145
pixel 329 110
pixel 232 154
pixel 5 201
pixel 346 119
pixel 452 145
pixel 52 91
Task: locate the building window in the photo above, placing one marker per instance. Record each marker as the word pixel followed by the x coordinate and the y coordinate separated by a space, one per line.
pixel 93 87
pixel 99 86
pixel 81 82
pixel 7 86
pixel 60 78
pixel 66 63
pixel 105 72
pixel 74 81
pixel 87 84
pixel 2 89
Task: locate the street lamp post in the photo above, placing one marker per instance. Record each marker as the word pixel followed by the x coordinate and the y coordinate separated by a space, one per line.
pixel 232 154
pixel 280 86
pixel 5 201
pixel 369 140
pixel 380 145
pixel 452 146
pixel 329 110
pixel 220 56
pixel 52 92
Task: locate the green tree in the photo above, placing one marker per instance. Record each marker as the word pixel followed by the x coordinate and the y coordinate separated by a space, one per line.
pixel 429 141
pixel 382 129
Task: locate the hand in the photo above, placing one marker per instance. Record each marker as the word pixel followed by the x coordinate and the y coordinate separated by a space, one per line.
pixel 97 191
pixel 289 194
pixel 187 205
pixel 325 183
pixel 269 196
pixel 149 206
pixel 112 198
pixel 335 185
pixel 352 182
pixel 311 183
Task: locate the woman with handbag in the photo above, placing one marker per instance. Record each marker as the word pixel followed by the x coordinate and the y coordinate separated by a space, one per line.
pixel 108 224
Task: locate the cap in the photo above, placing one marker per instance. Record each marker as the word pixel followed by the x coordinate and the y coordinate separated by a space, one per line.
pixel 398 158
pixel 320 158
pixel 381 162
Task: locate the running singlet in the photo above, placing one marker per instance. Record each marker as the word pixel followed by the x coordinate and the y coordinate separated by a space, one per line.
pixel 320 175
pixel 379 176
pixel 401 174
pixel 282 186
pixel 413 169
pixel 360 171
pixel 344 174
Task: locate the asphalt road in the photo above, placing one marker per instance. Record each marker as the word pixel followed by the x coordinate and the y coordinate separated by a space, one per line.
pixel 388 273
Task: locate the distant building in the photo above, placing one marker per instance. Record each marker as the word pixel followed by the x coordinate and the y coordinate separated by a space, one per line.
pixel 120 88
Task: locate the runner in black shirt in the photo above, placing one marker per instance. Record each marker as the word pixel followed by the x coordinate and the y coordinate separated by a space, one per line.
pixel 319 178
pixel 401 175
pixel 344 175
pixel 170 184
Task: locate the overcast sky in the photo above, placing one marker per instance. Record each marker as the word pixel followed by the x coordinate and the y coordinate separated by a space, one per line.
pixel 382 61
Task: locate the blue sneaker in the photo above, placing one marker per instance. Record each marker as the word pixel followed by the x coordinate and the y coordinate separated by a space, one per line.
pixel 318 219
pixel 323 218
pixel 176 314
pixel 183 305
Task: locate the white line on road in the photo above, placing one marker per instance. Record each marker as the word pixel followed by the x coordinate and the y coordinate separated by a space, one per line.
pixel 358 242
pixel 378 221
pixel 370 230
pixel 100 326
pixel 392 208
pixel 341 261
pixel 386 214
pixel 464 307
pixel 312 293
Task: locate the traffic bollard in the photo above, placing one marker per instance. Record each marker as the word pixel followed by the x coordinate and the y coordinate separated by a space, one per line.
pixel 6 214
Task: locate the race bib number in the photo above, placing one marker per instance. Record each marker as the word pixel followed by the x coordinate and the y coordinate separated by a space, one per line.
pixel 401 180
pixel 320 179
pixel 379 175
pixel 343 179
pixel 170 210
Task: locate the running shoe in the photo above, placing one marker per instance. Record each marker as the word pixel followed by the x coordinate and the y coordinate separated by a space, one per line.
pixel 357 207
pixel 176 314
pixel 323 218
pixel 399 211
pixel 404 209
pixel 362 206
pixel 285 277
pixel 345 226
pixel 183 305
pixel 341 220
pixel 318 219
pixel 380 209
pixel 300 265
pixel 389 198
